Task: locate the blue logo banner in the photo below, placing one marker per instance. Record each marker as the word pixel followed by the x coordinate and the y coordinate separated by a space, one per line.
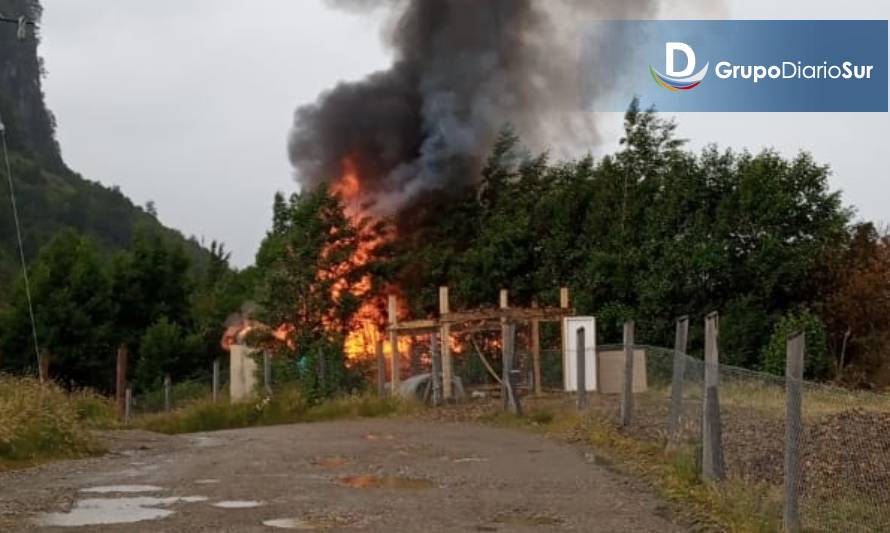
pixel 736 65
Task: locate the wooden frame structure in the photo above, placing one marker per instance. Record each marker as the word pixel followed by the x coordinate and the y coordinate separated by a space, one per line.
pixel 449 321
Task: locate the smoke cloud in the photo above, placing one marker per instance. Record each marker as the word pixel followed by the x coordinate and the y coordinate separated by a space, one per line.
pixel 462 70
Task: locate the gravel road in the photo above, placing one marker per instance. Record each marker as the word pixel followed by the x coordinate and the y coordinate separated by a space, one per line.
pixel 370 475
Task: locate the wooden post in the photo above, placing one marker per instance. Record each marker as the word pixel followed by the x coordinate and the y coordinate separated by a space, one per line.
pixel 215 379
pixel 128 401
pixel 712 438
pixel 679 375
pixel 536 355
pixel 436 370
pixel 168 386
pixel 581 371
pixel 394 344
pixel 563 304
pixel 381 368
pixel 627 394
pixel 793 428
pixel 267 371
pixel 43 366
pixel 508 343
pixel 445 333
pixel 121 380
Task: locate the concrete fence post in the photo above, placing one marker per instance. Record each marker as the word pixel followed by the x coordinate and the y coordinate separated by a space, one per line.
pixel 436 370
pixel 581 371
pixel 120 383
pixel 168 386
pixel 794 363
pixel 627 393
pixel 215 385
pixel 679 376
pixel 508 344
pixel 713 468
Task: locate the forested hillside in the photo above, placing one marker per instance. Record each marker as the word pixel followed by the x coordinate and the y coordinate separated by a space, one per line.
pixel 50 196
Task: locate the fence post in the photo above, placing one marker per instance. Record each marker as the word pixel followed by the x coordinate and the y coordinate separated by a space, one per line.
pixel 447 363
pixel 436 370
pixel 581 371
pixel 793 427
pixel 394 344
pixel 679 375
pixel 215 379
pixel 627 395
pixel 128 401
pixel 508 339
pixel 536 354
pixel 381 367
pixel 712 438
pixel 121 380
pixel 168 385
pixel 267 372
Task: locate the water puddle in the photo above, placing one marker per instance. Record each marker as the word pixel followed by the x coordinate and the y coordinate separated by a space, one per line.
pixel 206 481
pixel 238 504
pixel 207 442
pixel 95 512
pixel 122 489
pixel 385 482
pixel 470 460
pixel 376 437
pixel 333 462
pixel 292 523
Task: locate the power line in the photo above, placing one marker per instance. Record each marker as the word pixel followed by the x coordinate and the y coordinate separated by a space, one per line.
pixel 18 233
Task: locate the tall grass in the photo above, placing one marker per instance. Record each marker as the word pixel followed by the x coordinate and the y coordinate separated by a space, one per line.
pixel 41 422
pixel 285 406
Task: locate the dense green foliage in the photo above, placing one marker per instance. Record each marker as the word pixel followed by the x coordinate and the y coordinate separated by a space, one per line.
pixel 652 232
pixel 817 362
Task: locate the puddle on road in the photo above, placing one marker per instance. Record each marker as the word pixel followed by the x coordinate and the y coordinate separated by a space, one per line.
pixel 207 442
pixel 122 489
pixel 95 512
pixel 376 436
pixel 385 482
pixel 333 462
pixel 206 481
pixel 238 504
pixel 293 523
pixel 470 460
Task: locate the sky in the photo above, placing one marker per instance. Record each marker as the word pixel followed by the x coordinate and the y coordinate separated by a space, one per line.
pixel 188 103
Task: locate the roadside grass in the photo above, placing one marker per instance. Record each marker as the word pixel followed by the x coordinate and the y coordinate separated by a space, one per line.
pixel 286 406
pixel 728 506
pixel 43 422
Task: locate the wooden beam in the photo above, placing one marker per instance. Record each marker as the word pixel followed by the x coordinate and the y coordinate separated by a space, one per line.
pixel 415 326
pixel 445 336
pixel 517 314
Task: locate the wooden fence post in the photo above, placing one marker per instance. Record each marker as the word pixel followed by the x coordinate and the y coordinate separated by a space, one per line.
pixel 121 380
pixel 394 344
pixel 679 375
pixel 581 371
pixel 128 401
pixel 563 336
pixel 627 393
pixel 447 364
pixel 168 385
pixel 267 371
pixel 436 370
pixel 381 367
pixel 713 468
pixel 793 428
pixel 215 379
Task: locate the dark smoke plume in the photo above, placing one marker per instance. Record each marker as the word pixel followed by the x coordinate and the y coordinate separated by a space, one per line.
pixel 462 70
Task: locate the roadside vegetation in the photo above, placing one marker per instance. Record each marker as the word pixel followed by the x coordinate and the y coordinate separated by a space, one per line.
pixel 286 406
pixel 43 422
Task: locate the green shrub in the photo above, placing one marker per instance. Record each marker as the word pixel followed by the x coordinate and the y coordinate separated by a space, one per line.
pixel 817 361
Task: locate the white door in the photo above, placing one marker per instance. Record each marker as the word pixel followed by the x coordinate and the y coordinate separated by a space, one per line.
pixel 570 327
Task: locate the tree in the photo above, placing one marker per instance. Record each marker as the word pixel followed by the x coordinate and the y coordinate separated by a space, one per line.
pixel 73 311
pixel 162 351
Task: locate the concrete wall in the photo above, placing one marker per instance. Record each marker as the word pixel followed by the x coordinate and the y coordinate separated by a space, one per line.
pixel 611 371
pixel 242 373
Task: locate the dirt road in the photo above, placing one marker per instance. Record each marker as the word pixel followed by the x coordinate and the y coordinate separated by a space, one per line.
pixel 373 475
